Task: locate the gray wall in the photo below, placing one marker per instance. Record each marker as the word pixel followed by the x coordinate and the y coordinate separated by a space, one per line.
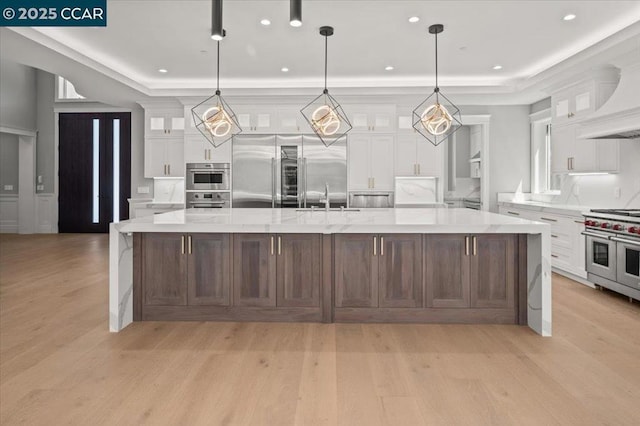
pixel 541 105
pixel 8 162
pixel 463 140
pixel 17 95
pixel 509 148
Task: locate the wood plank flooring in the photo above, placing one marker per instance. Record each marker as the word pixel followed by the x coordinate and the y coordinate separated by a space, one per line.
pixel 60 365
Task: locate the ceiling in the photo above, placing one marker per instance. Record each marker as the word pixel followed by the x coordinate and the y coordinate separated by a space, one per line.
pixel 524 37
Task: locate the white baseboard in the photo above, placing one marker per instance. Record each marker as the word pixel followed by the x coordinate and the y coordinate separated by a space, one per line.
pixel 9 213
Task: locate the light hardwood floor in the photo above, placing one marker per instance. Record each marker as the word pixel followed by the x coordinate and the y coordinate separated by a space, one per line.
pixel 60 365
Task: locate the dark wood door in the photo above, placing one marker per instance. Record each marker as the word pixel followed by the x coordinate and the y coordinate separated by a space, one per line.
pixel 164 269
pixel 298 269
pixel 493 270
pixel 209 269
pixel 254 270
pixel 400 271
pixel 356 270
pixel 88 143
pixel 446 274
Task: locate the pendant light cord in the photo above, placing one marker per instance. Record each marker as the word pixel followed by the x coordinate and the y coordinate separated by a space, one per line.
pixel 218 71
pixel 326 38
pixel 436 59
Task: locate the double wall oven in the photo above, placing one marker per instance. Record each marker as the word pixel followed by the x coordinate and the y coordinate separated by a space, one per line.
pixel 613 250
pixel 207 185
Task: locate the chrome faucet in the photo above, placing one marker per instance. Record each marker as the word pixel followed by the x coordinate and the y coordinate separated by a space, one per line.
pixel 326 196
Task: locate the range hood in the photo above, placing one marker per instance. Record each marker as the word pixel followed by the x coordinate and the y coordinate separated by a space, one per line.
pixel 619 117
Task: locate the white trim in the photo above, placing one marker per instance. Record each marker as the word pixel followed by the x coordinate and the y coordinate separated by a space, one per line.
pixel 9 204
pixel 18 131
pixel 46 222
pixel 544 114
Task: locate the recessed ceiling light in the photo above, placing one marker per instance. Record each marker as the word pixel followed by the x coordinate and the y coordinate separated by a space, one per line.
pixel 284 69
pixel 163 71
pixel 414 19
pixel 497 67
pixel 569 17
pixel 265 22
pixel 388 68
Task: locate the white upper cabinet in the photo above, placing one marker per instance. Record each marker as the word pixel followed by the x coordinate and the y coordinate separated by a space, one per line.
pixel 575 102
pixel 371 118
pixel 290 120
pixel 262 119
pixel 164 122
pixel 371 162
pixel 572 155
pixel 163 157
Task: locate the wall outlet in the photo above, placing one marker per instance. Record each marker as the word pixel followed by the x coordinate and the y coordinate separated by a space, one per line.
pixel 39 178
pixel 143 190
pixel 8 187
pixel 616 192
pixel 39 187
pixel 576 190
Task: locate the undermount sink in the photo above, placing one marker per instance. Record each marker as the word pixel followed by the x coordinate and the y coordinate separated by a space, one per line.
pixel 322 209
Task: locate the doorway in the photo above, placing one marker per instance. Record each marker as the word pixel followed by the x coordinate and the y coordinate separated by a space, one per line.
pixel 94 170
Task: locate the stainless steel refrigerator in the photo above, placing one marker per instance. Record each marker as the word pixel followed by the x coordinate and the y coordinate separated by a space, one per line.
pixel 287 171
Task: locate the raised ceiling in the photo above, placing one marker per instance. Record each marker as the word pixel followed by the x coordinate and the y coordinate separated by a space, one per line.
pixel 524 37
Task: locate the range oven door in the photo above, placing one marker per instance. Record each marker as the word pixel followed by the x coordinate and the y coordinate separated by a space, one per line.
pixel 628 253
pixel 601 255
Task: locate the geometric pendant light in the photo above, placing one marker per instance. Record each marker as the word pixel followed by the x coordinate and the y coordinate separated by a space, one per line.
pixel 213 117
pixel 436 118
pixel 324 114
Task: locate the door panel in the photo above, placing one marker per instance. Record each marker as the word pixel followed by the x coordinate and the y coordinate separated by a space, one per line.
pixel 209 269
pixel 493 269
pixel 446 271
pixel 254 270
pixel 400 271
pixel 76 170
pixel 356 271
pixel 298 270
pixel 164 269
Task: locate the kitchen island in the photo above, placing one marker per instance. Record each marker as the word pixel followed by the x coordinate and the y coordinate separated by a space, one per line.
pixel 374 265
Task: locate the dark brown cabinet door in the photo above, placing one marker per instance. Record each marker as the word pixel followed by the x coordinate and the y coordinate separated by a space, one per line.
pixel 298 269
pixel 209 269
pixel 447 280
pixel 493 271
pixel 356 270
pixel 254 270
pixel 400 271
pixel 164 269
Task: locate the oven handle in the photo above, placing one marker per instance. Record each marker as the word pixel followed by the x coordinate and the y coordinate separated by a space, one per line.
pixel 208 170
pixel 622 240
pixel 591 234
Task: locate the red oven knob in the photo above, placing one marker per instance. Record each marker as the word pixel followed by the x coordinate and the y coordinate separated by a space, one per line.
pixel 617 227
pixel 633 230
pixel 605 225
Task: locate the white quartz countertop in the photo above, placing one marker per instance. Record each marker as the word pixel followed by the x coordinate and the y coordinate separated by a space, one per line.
pixel 400 220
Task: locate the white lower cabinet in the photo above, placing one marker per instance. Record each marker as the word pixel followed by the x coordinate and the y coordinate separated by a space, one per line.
pixel 371 162
pixel 567 241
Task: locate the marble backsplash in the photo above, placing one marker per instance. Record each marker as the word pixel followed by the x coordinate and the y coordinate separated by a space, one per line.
pixel 168 190
pixel 465 188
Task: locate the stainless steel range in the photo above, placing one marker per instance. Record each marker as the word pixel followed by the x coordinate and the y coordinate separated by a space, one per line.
pixel 613 250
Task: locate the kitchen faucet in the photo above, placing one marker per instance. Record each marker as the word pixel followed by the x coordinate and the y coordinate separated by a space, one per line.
pixel 326 196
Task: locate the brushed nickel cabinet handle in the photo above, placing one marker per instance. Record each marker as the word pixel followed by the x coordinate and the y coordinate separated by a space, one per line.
pixel 272 245
pixel 579 222
pixel 548 219
pixel 466 246
pixel 169 169
pixel 182 244
pixel 375 245
pixel 419 172
pixel 513 213
pixel 554 256
pixel 381 246
pixel 475 245
pixel 279 245
pixel 190 244
pixel 554 236
pixel 373 183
